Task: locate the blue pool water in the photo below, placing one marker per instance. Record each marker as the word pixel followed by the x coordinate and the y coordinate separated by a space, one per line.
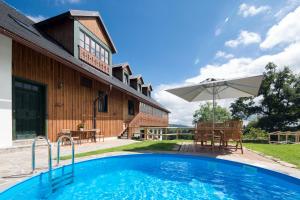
pixel 158 176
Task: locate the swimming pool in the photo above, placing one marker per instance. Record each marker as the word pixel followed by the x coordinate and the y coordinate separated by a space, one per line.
pixel 158 176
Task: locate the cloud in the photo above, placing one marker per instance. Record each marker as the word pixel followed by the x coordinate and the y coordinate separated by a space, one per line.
pixel 284 32
pixel 37 18
pixel 249 10
pixel 197 61
pixel 182 112
pixel 244 38
pixel 219 28
pixel 218 31
pixel 290 5
pixel 222 54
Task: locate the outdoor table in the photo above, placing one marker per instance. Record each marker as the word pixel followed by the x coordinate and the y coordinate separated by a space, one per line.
pixel 84 134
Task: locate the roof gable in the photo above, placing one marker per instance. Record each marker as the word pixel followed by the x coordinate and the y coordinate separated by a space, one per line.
pixel 123 66
pixel 91 20
pixel 138 78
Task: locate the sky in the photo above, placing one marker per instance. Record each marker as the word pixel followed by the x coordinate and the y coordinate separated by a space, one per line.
pixel 180 42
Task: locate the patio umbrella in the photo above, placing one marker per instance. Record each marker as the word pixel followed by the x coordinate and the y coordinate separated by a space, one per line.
pixel 212 89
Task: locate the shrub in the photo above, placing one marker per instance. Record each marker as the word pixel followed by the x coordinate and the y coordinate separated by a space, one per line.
pixel 255 134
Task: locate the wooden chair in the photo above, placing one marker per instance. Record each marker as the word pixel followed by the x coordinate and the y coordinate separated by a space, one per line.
pixel 64 132
pixel 98 134
pixel 233 132
pixel 76 136
pixel 204 133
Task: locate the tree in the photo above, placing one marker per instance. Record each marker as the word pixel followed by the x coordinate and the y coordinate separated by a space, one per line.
pixel 205 113
pixel 277 106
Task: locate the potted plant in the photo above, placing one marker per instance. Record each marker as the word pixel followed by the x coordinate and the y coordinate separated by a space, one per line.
pixel 81 126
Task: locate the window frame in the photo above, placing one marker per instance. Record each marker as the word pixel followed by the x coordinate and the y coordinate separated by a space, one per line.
pixel 90 45
pixel 102 102
pixel 131 107
pixel 126 78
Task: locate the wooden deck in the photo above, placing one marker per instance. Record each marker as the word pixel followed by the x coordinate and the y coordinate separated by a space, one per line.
pixel 189 147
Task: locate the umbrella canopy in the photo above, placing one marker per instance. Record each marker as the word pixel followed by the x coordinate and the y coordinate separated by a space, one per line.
pixel 212 89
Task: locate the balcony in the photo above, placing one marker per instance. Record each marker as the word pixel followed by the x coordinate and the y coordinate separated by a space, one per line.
pixel 144 119
pixel 92 60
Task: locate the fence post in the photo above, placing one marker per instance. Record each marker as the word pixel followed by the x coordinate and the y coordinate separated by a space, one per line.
pixel 146 133
pixel 177 133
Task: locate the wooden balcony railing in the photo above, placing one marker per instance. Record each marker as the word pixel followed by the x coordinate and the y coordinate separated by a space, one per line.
pixel 145 120
pixel 92 60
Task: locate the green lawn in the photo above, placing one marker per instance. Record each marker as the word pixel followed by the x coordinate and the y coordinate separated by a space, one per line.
pixel 166 145
pixel 286 152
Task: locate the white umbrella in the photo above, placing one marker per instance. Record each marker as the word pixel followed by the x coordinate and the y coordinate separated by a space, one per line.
pixel 212 89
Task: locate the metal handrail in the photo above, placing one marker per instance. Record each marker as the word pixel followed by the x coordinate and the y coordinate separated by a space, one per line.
pixel 49 152
pixel 58 149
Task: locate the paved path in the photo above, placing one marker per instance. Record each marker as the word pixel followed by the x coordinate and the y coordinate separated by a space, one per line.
pixel 249 157
pixel 15 164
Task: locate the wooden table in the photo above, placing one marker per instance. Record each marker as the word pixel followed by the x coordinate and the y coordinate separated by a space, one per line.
pixel 84 134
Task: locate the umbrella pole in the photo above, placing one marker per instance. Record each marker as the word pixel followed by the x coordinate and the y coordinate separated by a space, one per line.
pixel 214 100
pixel 213 131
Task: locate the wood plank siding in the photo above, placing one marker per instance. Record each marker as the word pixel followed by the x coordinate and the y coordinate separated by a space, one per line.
pixel 69 103
pixel 94 26
pixel 62 32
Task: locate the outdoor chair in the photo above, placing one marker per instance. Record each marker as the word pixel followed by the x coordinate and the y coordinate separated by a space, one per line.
pixel 233 132
pixel 98 134
pixel 205 132
pixel 64 132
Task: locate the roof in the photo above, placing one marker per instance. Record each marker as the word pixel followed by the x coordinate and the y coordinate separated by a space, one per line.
pixel 148 86
pixel 123 65
pixel 137 77
pixel 81 13
pixel 17 26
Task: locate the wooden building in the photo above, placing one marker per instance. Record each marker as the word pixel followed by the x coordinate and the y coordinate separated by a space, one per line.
pixel 59 73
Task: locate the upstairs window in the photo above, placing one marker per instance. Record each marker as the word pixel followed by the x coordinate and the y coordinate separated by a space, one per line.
pixel 139 88
pixel 130 107
pixel 97 51
pixel 102 102
pixel 86 82
pixel 92 46
pixel 126 79
pixel 86 43
pixel 102 54
pixel 106 57
pixel 81 37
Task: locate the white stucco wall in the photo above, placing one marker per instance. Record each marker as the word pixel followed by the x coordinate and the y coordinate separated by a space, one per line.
pixel 5 91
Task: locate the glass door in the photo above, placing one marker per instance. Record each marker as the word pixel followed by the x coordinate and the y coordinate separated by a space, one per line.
pixel 29 110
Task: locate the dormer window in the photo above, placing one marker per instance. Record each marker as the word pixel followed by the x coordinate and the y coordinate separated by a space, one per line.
pixel 92 46
pixel 139 87
pixel 126 78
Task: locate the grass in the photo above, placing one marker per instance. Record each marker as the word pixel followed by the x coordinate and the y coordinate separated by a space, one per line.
pixel 286 152
pixel 166 145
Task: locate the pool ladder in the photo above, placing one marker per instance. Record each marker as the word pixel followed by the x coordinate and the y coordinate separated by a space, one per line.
pixel 65 177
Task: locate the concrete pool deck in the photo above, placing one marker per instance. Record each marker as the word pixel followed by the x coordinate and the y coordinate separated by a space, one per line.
pixel 16 164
